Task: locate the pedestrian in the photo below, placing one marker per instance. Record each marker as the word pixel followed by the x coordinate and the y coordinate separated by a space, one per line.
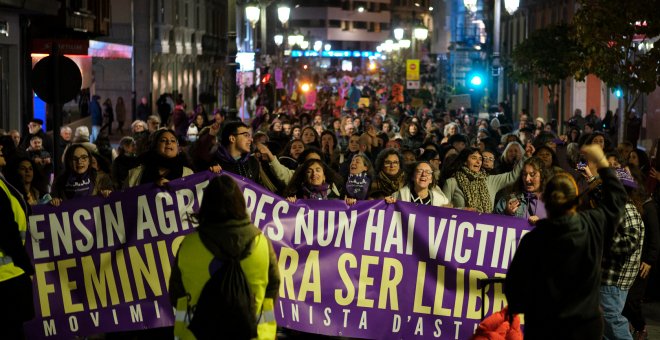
pixel 161 163
pixel 225 231
pixel 15 266
pixel 120 112
pixel 108 117
pixel 79 178
pixel 555 275
pixel 97 117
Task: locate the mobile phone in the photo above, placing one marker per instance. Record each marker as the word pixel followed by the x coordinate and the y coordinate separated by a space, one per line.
pixel 582 166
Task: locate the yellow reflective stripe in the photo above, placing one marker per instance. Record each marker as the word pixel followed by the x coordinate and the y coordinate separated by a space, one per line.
pixel 6 260
pixel 267 316
pixel 182 316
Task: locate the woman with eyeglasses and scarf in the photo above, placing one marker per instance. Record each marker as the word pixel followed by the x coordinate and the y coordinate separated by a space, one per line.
pixel 79 178
pixel 420 188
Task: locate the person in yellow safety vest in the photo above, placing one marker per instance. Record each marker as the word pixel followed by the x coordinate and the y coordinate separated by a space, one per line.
pixel 224 230
pixel 15 267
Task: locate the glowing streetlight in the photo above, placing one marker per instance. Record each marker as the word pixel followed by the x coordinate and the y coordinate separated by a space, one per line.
pixel 471 5
pixel 283 13
pixel 304 44
pixel 327 47
pixel 421 32
pixel 252 12
pixel 279 39
pixel 405 43
pixel 398 33
pixel 318 45
pixel 511 6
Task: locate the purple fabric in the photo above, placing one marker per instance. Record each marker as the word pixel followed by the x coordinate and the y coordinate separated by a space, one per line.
pixel 371 270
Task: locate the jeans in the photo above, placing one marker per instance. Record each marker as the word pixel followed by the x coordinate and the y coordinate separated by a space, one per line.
pixel 612 301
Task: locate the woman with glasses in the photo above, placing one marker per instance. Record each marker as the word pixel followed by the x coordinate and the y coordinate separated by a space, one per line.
pixel 79 178
pixel 161 163
pixel 420 188
pixel 389 176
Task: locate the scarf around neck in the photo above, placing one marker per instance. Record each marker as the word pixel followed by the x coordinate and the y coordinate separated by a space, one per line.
pixel 79 186
pixel 388 184
pixel 315 192
pixel 474 187
pixel 357 185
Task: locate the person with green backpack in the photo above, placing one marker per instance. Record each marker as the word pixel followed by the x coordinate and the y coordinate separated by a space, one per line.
pixel 226 280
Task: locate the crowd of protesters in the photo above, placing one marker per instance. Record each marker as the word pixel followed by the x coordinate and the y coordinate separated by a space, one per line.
pixel 387 152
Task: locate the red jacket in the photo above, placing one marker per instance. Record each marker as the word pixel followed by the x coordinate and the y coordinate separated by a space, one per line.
pixel 497 327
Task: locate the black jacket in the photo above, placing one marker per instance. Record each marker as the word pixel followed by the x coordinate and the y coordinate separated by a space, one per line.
pixel 555 276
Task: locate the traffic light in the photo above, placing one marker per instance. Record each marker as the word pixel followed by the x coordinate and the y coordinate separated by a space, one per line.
pixel 476 79
pixel 618 92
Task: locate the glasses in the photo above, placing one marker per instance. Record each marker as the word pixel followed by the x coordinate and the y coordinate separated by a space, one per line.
pixel 391 163
pixel 81 159
pixel 245 134
pixel 424 172
pixel 492 159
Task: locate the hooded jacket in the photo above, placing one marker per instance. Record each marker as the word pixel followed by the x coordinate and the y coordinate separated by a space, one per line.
pixel 246 166
pixel 555 276
pixel 221 241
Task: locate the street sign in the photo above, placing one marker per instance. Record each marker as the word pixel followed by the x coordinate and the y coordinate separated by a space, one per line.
pixel 412 84
pixel 412 69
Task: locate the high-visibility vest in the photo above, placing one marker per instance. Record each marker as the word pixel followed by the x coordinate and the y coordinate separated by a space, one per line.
pixel 194 260
pixel 7 268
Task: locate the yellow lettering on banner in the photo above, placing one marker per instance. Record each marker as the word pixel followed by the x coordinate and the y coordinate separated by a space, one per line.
pixel 177 243
pixel 67 286
pixel 499 300
pixel 460 291
pixel 440 293
pixel 365 281
pixel 44 288
pixel 312 269
pixel 123 275
pixel 474 294
pixel 389 283
pixel 96 283
pixel 344 259
pixel 418 307
pixel 287 290
pixel 140 271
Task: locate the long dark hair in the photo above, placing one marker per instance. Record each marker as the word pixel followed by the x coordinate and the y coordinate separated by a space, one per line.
pixel 223 201
pixel 38 179
pixel 298 178
pixel 152 162
pixel 67 170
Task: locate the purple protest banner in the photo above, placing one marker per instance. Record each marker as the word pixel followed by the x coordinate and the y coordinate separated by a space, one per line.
pixel 372 270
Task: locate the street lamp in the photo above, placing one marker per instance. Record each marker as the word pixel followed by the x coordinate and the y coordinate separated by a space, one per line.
pixel 318 45
pixel 283 13
pixel 304 44
pixel 405 43
pixel 327 47
pixel 421 32
pixel 252 13
pixel 511 6
pixel 279 39
pixel 471 5
pixel 398 33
